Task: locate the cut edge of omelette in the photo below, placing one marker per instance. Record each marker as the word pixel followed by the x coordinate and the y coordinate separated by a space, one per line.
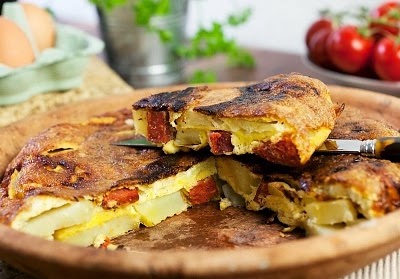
pixel 347 190
pixel 80 221
pixel 321 209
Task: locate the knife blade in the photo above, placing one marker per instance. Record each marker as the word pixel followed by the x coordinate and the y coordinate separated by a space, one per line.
pixel 136 142
pixel 384 147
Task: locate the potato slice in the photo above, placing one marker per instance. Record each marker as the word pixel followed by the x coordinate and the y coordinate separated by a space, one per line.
pixel 154 211
pixel 67 215
pixel 240 178
pixel 331 212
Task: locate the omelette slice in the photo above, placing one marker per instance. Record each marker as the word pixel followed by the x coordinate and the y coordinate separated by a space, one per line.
pixel 282 119
pixel 329 192
pixel 71 184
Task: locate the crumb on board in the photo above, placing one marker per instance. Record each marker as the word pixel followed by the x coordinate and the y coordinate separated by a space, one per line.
pixel 103 242
pixel 224 203
pixel 288 229
pixel 281 234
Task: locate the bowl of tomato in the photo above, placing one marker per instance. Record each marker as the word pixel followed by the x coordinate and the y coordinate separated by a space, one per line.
pixel 363 52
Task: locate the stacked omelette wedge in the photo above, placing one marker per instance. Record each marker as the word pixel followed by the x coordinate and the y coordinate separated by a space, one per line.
pixel 282 119
pixel 328 193
pixel 70 183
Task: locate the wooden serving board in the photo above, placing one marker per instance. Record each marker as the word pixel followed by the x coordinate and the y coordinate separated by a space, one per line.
pixel 203 242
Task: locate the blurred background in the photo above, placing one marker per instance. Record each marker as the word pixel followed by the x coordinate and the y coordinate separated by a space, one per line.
pixel 274 24
pixel 200 41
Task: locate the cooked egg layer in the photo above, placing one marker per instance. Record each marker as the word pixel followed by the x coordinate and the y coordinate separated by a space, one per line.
pixel 111 223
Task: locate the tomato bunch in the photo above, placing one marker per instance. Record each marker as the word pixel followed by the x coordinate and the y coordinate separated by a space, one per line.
pixel 370 47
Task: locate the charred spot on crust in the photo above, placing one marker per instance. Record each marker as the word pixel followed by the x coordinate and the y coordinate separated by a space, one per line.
pixel 257 93
pixel 70 174
pixel 324 167
pixel 339 169
pixel 164 167
pixel 53 162
pixel 258 87
pixel 175 101
pixel 353 125
pixel 272 90
pixel 357 129
pixel 76 184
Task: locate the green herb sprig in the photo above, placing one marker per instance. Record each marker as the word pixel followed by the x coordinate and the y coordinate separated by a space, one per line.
pixel 207 42
pixel 108 5
pixel 145 10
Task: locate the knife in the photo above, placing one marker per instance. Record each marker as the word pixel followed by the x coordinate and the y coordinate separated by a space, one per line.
pixel 384 148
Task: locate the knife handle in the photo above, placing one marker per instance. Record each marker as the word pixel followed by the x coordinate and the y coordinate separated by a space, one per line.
pixel 388 148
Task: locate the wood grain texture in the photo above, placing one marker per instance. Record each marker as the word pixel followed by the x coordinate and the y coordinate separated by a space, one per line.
pixel 245 256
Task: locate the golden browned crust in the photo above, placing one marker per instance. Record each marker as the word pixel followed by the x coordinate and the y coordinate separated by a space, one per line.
pixel 295 98
pixel 353 125
pixel 76 160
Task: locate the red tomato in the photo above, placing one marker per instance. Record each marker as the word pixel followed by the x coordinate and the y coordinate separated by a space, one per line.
pixel 386 60
pixel 388 15
pixel 317 48
pixel 321 24
pixel 316 37
pixel 348 50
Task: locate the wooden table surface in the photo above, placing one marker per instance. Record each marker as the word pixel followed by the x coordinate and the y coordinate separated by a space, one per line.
pixel 268 63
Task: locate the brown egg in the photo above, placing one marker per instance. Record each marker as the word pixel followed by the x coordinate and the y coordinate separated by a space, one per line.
pixel 41 25
pixel 15 49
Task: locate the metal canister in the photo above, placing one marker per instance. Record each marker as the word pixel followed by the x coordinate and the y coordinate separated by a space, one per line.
pixel 138 54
